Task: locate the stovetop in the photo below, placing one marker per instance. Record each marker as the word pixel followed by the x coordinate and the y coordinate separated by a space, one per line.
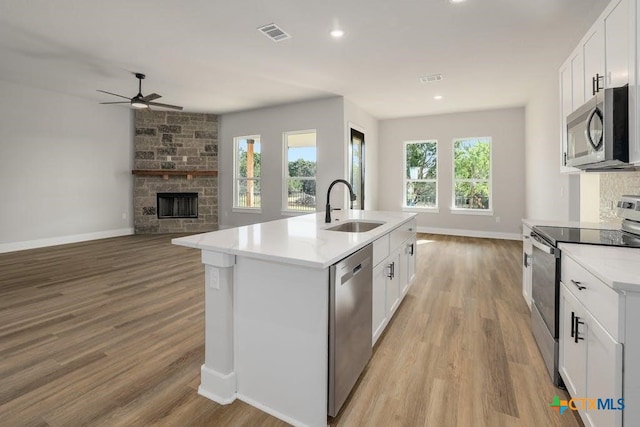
pixel 588 236
pixel 628 209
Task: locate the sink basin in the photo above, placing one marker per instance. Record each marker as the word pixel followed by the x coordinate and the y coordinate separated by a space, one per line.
pixel 355 226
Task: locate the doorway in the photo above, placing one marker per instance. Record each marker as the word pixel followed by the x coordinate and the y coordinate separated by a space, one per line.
pixel 356 166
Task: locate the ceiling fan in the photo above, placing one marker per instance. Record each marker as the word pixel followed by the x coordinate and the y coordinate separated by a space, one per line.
pixel 139 101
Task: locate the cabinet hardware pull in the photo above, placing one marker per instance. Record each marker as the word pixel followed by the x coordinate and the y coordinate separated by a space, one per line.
pixel 411 249
pixel 593 85
pixel 573 324
pixel 577 335
pixel 578 285
pixel 392 270
pixel 598 78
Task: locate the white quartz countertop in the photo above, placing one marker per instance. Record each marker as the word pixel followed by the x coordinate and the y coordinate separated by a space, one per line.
pixel 613 225
pixel 300 240
pixel 617 267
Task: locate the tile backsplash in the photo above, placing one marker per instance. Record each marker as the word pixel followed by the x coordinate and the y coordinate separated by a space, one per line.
pixel 612 186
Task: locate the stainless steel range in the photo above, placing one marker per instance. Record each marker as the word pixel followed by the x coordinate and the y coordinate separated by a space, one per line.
pixel 546 272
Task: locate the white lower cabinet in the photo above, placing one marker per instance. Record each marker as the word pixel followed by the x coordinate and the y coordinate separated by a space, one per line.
pixel 379 300
pixel 527 270
pixel 393 273
pixel 393 282
pixel 407 265
pixel 573 355
pixel 590 362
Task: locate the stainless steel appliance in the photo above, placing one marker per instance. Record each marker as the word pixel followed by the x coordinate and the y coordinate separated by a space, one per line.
pixel 545 293
pixel 545 289
pixel 598 132
pixel 350 318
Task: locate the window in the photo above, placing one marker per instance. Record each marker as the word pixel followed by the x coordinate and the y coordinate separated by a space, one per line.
pixel 421 174
pixel 472 174
pixel 299 193
pixel 246 172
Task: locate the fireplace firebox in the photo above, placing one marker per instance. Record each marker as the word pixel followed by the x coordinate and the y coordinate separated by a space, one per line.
pixel 177 205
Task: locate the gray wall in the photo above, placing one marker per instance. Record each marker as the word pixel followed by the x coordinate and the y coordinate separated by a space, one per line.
pixel 551 195
pixel 324 115
pixel 65 168
pixel 506 127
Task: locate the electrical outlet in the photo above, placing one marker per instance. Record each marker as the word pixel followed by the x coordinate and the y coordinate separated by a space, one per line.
pixel 168 158
pixel 497 219
pixel 184 158
pixel 124 215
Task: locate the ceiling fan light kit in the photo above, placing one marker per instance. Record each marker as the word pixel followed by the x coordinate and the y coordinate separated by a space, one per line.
pixel 139 101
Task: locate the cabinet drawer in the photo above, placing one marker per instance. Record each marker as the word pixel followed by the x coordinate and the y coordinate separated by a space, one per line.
pixel 598 298
pixel 380 249
pixel 403 233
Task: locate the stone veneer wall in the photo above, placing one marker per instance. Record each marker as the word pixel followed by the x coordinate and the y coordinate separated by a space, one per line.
pixel 175 141
pixel 612 186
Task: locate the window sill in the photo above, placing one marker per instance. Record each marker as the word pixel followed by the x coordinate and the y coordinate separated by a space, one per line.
pixel 247 210
pixel 296 213
pixel 462 211
pixel 420 210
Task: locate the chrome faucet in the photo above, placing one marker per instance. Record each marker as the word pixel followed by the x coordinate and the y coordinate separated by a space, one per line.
pixel 352 195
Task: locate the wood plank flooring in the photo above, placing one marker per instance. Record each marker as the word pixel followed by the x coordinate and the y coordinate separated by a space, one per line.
pixel 111 333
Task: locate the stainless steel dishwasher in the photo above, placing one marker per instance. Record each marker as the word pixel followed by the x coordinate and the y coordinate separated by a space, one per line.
pixel 349 324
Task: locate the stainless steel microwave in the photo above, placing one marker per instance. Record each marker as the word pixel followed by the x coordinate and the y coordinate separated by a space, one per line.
pixel 598 132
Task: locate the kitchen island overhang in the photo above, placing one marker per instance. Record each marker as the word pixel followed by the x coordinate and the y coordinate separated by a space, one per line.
pixel 267 309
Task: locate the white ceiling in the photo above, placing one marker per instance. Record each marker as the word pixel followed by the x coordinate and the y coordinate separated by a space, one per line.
pixel 208 56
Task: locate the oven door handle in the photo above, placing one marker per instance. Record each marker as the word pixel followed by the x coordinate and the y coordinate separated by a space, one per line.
pixel 543 247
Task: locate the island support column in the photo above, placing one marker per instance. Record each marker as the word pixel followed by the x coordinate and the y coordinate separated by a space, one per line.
pixel 217 375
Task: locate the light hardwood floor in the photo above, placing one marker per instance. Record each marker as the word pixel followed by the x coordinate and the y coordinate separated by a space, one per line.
pixel 110 333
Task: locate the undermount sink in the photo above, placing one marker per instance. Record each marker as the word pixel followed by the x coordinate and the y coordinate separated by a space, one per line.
pixel 355 226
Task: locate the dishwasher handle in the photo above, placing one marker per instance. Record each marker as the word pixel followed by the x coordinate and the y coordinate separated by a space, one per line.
pixel 354 271
pixel 540 244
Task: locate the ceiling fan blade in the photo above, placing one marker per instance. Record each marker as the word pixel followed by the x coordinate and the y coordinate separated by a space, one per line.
pixel 119 102
pixel 114 94
pixel 157 104
pixel 151 97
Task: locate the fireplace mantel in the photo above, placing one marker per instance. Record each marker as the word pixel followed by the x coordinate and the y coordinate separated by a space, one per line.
pixel 166 173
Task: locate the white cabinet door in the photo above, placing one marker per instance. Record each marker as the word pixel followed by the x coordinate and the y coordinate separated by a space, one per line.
pixel 617 34
pixel 527 270
pixel 407 265
pixel 379 296
pixel 604 373
pixel 593 51
pixel 566 108
pixel 573 355
pixel 393 282
pixel 577 79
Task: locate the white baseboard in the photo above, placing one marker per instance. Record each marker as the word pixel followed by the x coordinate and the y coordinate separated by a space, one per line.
pixel 63 240
pixel 271 411
pixel 471 233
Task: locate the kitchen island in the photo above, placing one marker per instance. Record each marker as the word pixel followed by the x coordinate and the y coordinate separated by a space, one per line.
pixel 267 305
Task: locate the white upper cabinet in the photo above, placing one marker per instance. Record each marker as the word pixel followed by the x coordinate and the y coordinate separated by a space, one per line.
pixel 577 79
pixel 594 58
pixel 605 58
pixel 616 30
pixel 566 107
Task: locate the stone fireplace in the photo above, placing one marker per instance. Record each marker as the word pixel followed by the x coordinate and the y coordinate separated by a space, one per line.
pixel 176 184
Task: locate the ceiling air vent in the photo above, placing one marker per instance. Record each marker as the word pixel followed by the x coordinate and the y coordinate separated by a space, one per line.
pixel 431 79
pixel 274 32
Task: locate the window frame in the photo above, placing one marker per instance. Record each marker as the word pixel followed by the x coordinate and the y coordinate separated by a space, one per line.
pixel 285 174
pixel 470 211
pixel 405 180
pixel 237 178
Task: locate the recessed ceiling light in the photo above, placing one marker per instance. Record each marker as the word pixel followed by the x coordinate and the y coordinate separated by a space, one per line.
pixel 336 34
pixel 437 97
pixel 457 1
